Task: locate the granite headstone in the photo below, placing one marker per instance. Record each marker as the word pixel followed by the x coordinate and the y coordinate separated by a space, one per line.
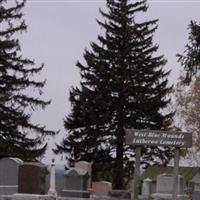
pixel 9 175
pixel 87 166
pixel 76 183
pixel 196 195
pixel 31 178
pixel 101 188
pixel 146 188
pixel 164 187
pixel 165 184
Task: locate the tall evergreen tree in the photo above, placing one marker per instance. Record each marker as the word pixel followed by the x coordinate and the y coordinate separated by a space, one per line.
pixel 123 84
pixel 18 135
pixel 190 60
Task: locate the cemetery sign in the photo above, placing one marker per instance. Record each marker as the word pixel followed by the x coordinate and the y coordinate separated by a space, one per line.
pixel 158 138
pixel 141 138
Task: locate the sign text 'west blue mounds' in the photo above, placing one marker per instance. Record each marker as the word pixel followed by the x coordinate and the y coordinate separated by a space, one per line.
pixel 158 138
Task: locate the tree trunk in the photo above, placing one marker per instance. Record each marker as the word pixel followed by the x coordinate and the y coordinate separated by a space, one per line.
pixel 119 175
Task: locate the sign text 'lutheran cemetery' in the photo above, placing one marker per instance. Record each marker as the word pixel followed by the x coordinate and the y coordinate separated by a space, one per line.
pixel 158 138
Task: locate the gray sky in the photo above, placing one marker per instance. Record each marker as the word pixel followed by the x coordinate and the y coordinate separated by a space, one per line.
pixel 59 31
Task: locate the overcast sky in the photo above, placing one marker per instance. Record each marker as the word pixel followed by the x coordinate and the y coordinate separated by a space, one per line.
pixel 60 30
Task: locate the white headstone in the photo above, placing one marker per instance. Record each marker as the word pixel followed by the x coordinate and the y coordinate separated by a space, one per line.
pixel 146 187
pixel 164 187
pixel 52 187
pixel 165 184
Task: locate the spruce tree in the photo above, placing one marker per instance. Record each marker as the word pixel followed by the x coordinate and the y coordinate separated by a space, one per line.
pixel 123 85
pixel 190 59
pixel 18 135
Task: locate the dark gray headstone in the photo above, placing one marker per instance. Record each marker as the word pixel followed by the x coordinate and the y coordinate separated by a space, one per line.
pixel 9 171
pixel 87 166
pixel 76 179
pixel 9 175
pixel 196 195
pixel 32 177
pixel 76 182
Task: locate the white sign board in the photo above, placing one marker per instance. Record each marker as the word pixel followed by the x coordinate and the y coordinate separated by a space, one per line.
pixel 158 138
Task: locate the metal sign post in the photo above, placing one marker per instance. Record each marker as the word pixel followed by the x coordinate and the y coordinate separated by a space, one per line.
pixel 175 173
pixel 136 172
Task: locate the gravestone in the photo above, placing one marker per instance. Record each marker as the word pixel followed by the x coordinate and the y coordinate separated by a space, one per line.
pixel 76 183
pixel 59 179
pixel 9 175
pixel 196 195
pixel 194 190
pixel 52 185
pixel 31 178
pixel 101 188
pixel 165 184
pixel 87 167
pixel 146 189
pixel 164 187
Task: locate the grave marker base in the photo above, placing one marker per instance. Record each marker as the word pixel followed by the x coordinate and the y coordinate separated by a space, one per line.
pixel 75 193
pixel 161 196
pixel 24 196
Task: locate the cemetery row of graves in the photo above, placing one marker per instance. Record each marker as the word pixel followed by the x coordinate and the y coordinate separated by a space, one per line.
pixel 31 180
